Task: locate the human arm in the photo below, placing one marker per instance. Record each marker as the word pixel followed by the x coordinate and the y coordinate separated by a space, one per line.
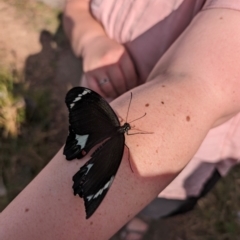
pixel 103 58
pixel 186 90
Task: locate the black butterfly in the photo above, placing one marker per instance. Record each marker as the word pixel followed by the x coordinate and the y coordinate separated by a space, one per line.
pixel 92 121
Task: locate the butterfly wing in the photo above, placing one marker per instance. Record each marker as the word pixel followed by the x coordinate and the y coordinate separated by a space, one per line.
pixel 91 121
pixel 94 179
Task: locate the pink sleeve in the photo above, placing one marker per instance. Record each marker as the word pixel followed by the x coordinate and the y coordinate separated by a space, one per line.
pixel 231 4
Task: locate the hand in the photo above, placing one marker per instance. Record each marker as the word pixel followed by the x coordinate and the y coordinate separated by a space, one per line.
pixel 108 68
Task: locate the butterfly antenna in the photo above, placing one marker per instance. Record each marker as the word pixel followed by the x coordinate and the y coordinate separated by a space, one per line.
pixel 129 106
pixel 139 118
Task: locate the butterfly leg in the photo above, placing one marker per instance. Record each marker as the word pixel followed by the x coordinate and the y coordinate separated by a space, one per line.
pixel 129 158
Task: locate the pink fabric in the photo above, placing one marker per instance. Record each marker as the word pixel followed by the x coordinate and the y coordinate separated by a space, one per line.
pixel 220 149
pixel 126 20
pixel 148 28
pixel 231 4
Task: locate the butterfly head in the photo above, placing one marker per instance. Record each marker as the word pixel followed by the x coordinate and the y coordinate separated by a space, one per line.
pixel 124 128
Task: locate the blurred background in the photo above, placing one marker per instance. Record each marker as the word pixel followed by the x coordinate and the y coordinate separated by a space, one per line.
pixel 37 68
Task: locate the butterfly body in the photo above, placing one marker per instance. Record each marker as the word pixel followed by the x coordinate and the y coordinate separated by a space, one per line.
pixel 124 129
pixel 92 121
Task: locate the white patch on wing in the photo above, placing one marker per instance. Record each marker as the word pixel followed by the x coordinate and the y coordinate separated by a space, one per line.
pixel 82 139
pixel 89 197
pixel 86 91
pixel 107 185
pixel 89 166
pixel 79 97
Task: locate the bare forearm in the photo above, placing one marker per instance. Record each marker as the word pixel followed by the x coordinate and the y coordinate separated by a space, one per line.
pixel 80 26
pixel 47 209
pixel 208 51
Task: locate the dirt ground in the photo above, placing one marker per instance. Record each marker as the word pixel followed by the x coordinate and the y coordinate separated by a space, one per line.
pixel 32 43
